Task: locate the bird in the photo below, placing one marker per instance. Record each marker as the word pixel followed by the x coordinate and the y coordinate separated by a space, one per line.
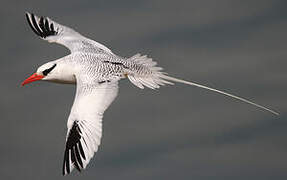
pixel 96 71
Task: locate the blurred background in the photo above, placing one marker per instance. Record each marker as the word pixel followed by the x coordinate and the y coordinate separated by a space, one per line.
pixel 176 132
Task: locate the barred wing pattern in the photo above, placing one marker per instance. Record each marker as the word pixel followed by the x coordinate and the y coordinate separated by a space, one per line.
pixel 85 123
pixel 52 31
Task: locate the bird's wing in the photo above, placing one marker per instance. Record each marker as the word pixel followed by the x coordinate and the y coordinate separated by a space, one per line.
pixel 85 123
pixel 52 31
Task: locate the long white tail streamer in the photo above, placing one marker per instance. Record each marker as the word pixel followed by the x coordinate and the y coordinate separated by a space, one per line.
pixel 218 91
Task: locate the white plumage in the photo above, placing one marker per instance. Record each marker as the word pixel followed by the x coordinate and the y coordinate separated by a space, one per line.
pixel 96 70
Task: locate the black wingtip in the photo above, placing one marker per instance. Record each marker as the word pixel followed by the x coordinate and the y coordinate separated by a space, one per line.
pixel 35 24
pixel 74 153
pixel 30 24
pixel 74 160
pixel 82 150
pixel 42 28
pixel 66 164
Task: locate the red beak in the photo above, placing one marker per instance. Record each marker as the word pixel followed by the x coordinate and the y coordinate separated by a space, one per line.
pixel 34 77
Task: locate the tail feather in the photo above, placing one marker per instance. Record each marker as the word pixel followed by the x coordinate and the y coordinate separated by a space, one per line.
pixel 146 73
pixel 220 92
pixel 149 75
pixel 135 82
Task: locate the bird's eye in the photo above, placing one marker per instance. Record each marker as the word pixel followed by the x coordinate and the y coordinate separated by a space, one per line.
pixel 47 71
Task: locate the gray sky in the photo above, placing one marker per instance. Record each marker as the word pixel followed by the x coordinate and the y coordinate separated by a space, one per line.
pixel 176 132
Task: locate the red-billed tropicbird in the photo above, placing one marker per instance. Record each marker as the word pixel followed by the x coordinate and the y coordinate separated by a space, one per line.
pixel 96 70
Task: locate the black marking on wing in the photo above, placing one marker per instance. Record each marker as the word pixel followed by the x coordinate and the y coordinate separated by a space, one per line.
pixel 47 71
pixel 35 25
pixel 52 27
pixel 116 63
pixel 74 151
pixel 32 27
pixel 47 26
pixel 101 82
pixel 42 28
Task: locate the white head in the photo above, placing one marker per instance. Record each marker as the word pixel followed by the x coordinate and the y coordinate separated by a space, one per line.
pixel 54 71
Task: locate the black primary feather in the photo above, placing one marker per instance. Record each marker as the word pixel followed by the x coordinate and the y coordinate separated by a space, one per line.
pixel 42 28
pixel 74 147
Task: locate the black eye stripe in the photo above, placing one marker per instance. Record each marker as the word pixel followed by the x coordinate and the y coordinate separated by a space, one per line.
pixel 47 71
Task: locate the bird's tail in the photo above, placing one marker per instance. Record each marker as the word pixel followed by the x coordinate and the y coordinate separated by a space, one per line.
pixel 153 78
pixel 144 72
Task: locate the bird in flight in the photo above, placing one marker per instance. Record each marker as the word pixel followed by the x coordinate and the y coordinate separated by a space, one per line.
pixel 95 70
